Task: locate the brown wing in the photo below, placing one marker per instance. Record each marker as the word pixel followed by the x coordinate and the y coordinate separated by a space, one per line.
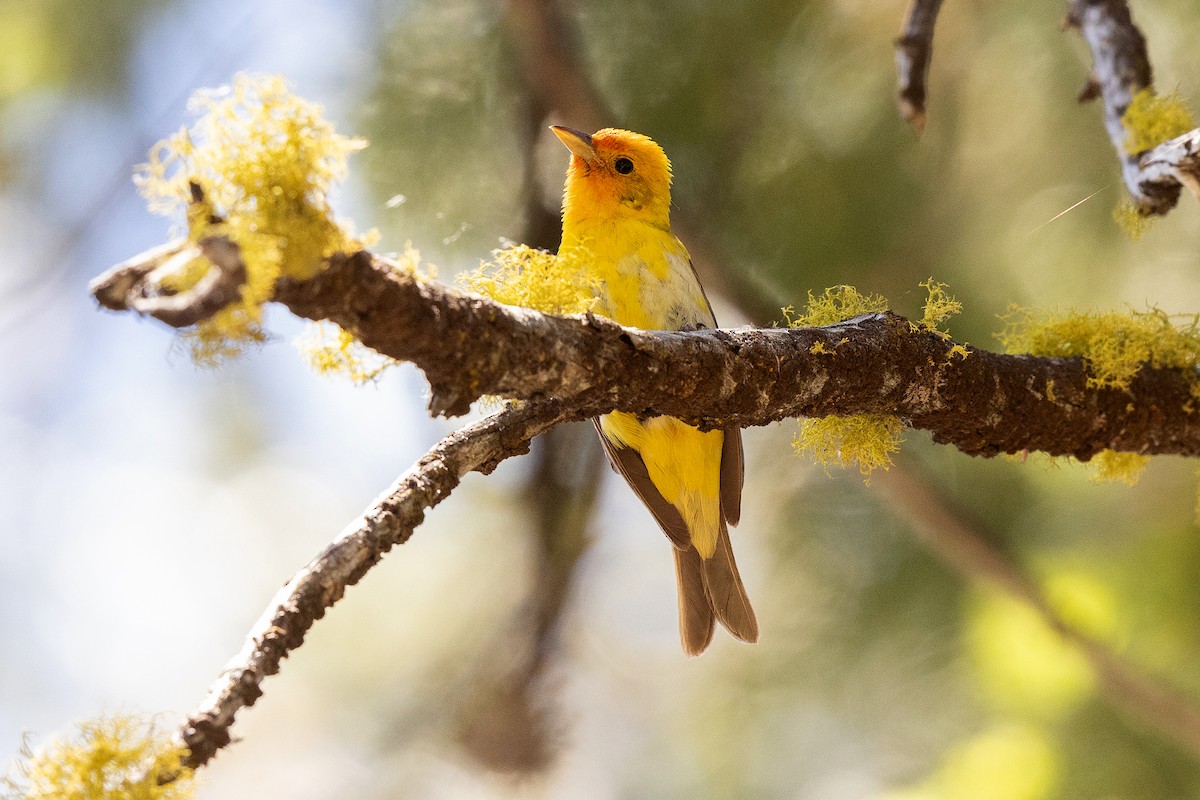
pixel 696 620
pixel 733 470
pixel 725 591
pixel 732 460
pixel 626 461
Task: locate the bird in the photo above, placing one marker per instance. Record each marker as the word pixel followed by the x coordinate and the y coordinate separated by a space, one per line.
pixel 616 210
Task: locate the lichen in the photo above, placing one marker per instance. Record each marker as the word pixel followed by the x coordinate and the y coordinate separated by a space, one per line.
pixel 1152 119
pixel 113 758
pixel 519 275
pixel 867 440
pixel 256 166
pixel 1111 466
pixel 864 439
pixel 1115 345
pixel 835 304
pixel 332 350
pixel 939 306
pixel 1129 217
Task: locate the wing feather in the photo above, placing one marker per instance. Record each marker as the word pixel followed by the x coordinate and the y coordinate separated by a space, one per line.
pixel 725 591
pixel 629 464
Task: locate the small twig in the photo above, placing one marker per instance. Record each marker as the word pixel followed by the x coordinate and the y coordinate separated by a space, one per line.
pixel 115 287
pixel 1178 158
pixel 1121 69
pixel 947 534
pixel 388 522
pixel 136 285
pixel 914 52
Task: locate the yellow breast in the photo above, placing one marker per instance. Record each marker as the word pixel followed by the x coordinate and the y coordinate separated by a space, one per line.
pixel 643 275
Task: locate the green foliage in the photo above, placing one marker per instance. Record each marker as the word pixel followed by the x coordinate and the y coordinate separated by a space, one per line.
pixel 519 275
pixel 263 161
pixel 1152 119
pixel 1023 665
pixel 110 758
pixel 1010 761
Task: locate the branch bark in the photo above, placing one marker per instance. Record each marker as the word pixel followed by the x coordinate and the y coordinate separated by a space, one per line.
pixel 1121 68
pixel 315 588
pixel 985 403
pixel 958 542
pixel 914 52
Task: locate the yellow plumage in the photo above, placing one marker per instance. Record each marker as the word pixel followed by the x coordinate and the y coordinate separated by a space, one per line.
pixel 616 219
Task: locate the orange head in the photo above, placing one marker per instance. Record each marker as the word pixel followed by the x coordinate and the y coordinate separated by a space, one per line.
pixel 615 174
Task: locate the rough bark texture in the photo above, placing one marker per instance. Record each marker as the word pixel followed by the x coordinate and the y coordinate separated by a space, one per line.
pixel 984 404
pixel 1121 68
pixel 388 522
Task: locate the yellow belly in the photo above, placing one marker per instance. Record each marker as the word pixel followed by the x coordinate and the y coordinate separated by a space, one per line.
pixel 645 280
pixel 684 464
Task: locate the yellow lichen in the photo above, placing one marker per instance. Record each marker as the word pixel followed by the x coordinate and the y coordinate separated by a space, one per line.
pixel 331 349
pixel 256 166
pixel 819 349
pixel 334 350
pixel 866 439
pixel 1111 466
pixel 939 307
pixel 835 304
pixel 1114 345
pixel 519 275
pixel 1129 217
pixel 117 758
pixel 1152 119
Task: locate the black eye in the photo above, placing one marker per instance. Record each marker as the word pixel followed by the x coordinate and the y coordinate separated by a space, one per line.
pixel 623 165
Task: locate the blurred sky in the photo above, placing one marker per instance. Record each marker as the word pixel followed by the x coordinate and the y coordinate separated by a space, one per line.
pixel 150 509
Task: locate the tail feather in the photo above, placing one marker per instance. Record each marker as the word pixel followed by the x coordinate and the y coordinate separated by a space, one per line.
pixel 695 611
pixel 725 593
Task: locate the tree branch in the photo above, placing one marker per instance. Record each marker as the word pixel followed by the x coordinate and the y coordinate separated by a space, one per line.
pixel 388 522
pixel 985 403
pixel 137 283
pixel 914 52
pixel 1121 68
pixel 948 535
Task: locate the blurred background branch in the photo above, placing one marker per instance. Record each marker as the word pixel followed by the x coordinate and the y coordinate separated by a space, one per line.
pixel 914 51
pixel 1121 72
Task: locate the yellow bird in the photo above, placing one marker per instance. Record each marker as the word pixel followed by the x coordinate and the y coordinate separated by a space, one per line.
pixel 616 209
